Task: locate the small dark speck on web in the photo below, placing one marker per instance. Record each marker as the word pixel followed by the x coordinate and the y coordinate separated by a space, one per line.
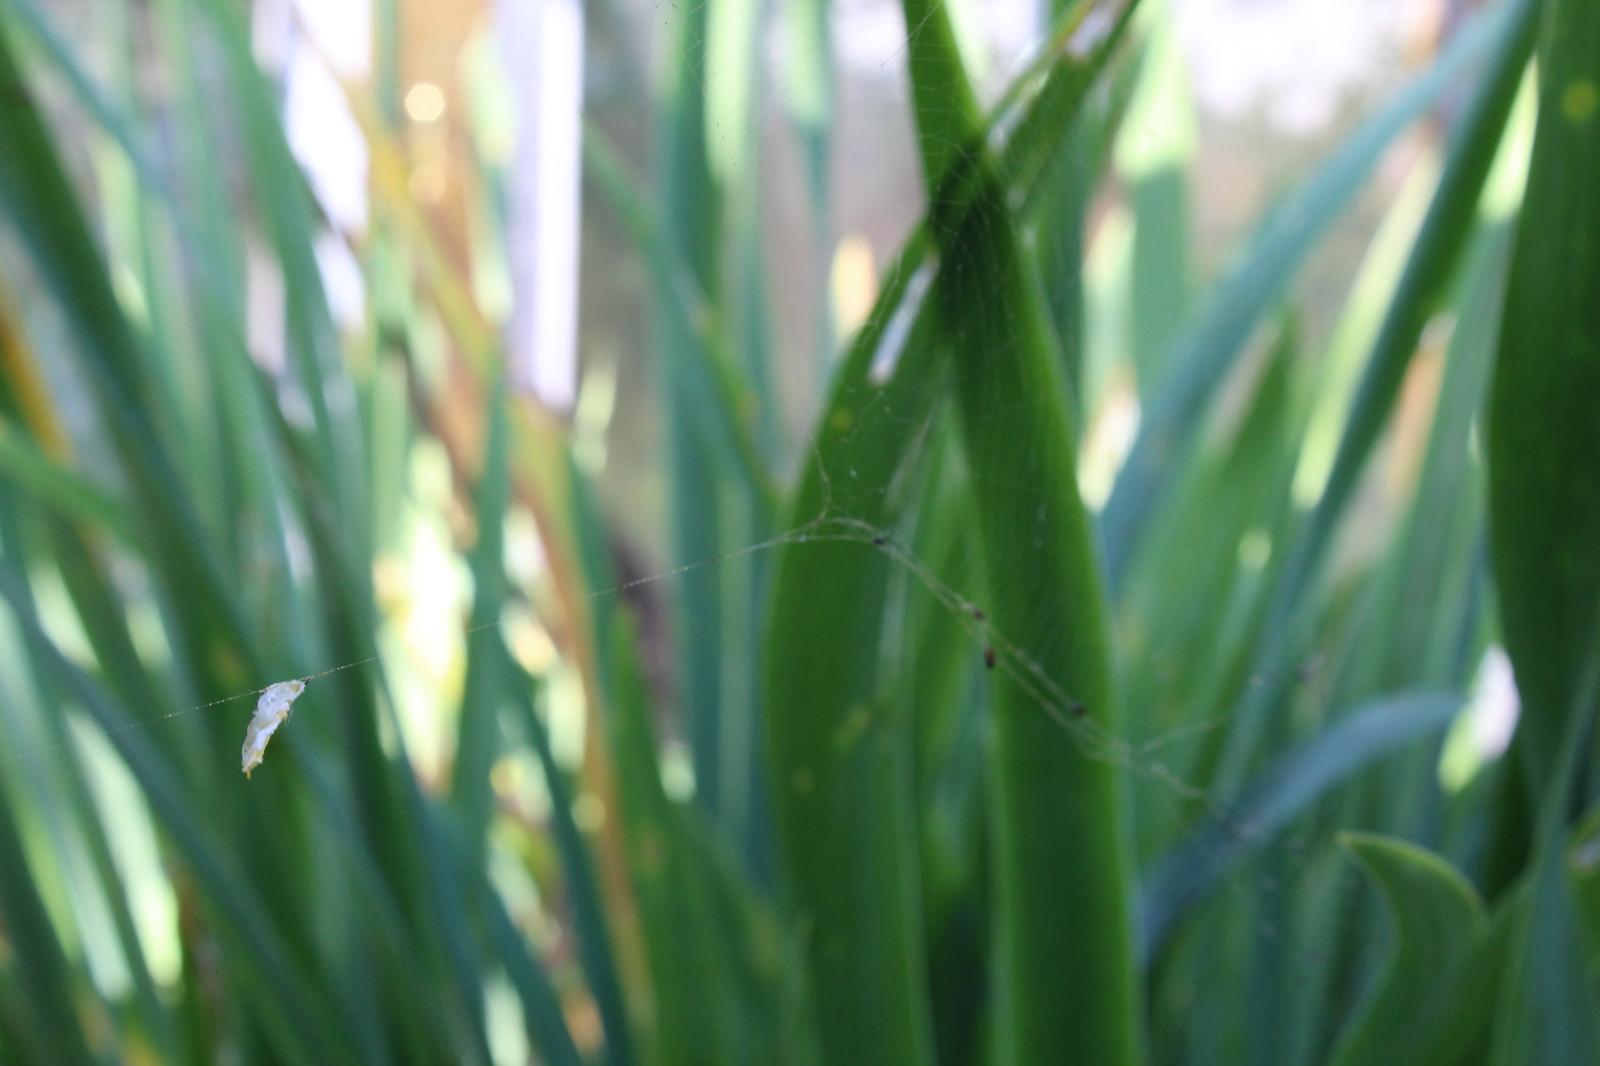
pixel 879 542
pixel 1077 710
pixel 977 612
pixel 988 658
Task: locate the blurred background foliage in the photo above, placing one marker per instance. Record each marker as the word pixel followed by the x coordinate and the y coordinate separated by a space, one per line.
pixel 817 533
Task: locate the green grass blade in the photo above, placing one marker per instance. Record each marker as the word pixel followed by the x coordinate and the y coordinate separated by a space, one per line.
pixel 1061 851
pixel 283 204
pixel 830 800
pixel 833 798
pixel 285 996
pixel 1545 516
pixel 583 888
pixel 35 192
pixel 691 217
pixel 393 828
pixel 1059 212
pixel 1548 1010
pixel 1208 348
pixel 1186 875
pixel 1427 275
pixel 937 688
pixel 1064 939
pixel 711 1006
pixel 80 801
pixel 1423 284
pixel 1155 150
pixel 415 1002
pixel 1027 128
pixel 111 117
pixel 947 117
pixel 1543 433
pixel 541 1011
pixel 494 680
pixel 453 875
pixel 1437 920
pixel 937 646
pixel 72 497
pixel 45 982
pixel 122 128
pixel 806 89
pixel 484 692
pixel 241 476
pixel 1190 608
pixel 1445 529
pixel 1464 1027
pixel 734 91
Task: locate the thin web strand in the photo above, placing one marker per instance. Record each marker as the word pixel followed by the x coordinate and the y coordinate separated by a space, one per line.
pixel 1091 737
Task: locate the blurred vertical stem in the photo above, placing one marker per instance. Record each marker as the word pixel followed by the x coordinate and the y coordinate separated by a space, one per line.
pixel 691 216
pixel 1154 148
pixel 1058 221
pixel 1064 980
pixel 805 82
pixel 484 687
pixel 733 103
pixel 40 995
pixel 1544 422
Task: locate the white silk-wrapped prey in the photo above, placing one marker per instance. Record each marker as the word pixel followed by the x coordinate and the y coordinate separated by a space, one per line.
pixel 271 711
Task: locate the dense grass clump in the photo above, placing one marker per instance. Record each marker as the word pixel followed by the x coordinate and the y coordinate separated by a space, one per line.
pixel 949 733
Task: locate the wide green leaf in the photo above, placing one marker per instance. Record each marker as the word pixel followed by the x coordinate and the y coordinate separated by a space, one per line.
pixel 1437 919
pixel 1282 792
pixel 1062 857
pixel 1543 435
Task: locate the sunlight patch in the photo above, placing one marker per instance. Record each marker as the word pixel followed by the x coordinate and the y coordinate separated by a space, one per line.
pixel 1484 727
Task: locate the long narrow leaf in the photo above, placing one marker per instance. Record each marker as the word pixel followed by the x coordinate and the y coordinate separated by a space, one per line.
pixel 1183 877
pixel 1427 274
pixel 1062 854
pixel 1544 481
pixel 1209 346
